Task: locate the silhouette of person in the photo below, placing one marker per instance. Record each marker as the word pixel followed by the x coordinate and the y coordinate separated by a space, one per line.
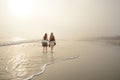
pixel 45 42
pixel 52 41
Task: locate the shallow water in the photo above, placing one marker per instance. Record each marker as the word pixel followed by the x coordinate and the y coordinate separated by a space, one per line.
pixel 88 61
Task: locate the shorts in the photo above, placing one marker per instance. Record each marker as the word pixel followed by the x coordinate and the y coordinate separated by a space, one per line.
pixel 52 43
pixel 44 44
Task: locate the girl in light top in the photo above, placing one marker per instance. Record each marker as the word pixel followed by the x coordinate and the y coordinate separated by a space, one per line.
pixel 52 41
pixel 45 42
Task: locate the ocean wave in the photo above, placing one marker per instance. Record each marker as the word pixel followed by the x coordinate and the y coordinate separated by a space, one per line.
pixel 17 63
pixel 9 43
pixel 43 68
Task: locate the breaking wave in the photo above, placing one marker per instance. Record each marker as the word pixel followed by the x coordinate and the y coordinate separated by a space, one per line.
pixel 9 43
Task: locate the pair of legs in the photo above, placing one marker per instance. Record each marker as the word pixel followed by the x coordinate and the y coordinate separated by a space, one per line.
pixel 44 45
pixel 51 46
pixel 45 49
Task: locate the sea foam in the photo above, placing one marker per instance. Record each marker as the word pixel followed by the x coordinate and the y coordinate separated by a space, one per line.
pixel 43 68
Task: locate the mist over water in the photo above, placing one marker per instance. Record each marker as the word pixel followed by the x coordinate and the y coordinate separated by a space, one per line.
pixel 66 18
pixel 87 34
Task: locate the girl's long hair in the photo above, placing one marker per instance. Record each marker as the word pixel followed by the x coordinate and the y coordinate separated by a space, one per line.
pixel 52 38
pixel 45 37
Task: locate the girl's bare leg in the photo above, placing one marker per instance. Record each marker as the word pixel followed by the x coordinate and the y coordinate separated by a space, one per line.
pixel 52 48
pixel 46 49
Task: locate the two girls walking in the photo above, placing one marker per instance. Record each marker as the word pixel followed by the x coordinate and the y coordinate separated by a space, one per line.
pixel 51 42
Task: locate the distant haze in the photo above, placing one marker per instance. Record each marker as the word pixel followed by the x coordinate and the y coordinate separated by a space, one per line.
pixel 65 18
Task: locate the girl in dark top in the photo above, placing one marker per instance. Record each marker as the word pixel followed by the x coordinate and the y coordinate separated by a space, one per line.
pixel 52 41
pixel 45 42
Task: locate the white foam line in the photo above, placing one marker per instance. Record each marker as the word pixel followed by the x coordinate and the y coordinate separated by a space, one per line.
pixel 42 71
pixel 43 68
pixel 69 58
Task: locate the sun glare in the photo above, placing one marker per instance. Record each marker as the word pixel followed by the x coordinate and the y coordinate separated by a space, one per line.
pixel 21 8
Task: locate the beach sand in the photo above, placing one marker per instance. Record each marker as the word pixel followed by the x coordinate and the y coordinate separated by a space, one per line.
pixel 71 60
pixel 97 61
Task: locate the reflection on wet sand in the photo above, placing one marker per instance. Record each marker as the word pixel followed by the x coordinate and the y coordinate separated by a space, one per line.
pixel 48 58
pixel 17 66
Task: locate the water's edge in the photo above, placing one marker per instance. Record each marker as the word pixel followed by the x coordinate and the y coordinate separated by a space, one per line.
pixel 43 68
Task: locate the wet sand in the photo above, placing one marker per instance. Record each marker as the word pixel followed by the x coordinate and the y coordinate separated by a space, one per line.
pixel 97 61
pixel 71 60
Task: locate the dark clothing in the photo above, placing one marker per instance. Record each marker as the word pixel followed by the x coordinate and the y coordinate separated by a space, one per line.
pixel 44 44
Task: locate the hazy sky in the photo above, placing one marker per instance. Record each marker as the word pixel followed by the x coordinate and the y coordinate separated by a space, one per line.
pixel 66 18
